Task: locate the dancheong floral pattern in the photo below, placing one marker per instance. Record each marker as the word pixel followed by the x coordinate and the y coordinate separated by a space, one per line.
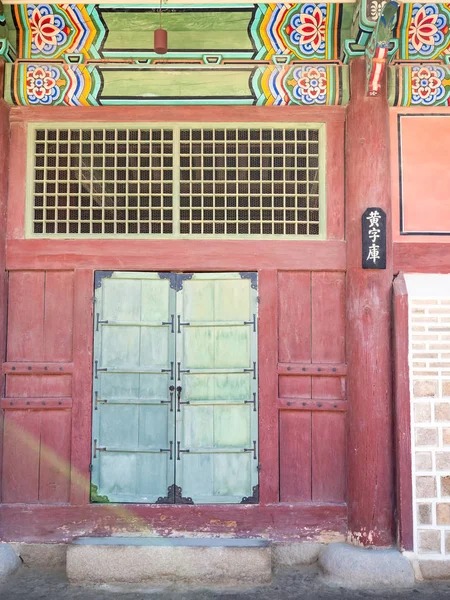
pixel 303 31
pixel 48 30
pixel 307 28
pixel 310 85
pixel 428 28
pixel 427 84
pixel 42 85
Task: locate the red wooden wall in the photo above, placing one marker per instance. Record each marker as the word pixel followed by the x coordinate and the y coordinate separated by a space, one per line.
pixel 48 368
pixel 311 386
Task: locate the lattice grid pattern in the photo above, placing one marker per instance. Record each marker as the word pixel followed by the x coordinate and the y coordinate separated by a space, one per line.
pixel 103 181
pixel 176 181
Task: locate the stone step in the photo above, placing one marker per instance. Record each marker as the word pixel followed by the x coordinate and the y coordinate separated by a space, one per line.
pixel 161 561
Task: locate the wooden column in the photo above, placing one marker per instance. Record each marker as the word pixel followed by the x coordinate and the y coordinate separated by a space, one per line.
pixel 369 355
pixel 4 155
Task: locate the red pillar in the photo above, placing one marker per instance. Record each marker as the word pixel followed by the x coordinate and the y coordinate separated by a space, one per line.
pixel 4 155
pixel 370 445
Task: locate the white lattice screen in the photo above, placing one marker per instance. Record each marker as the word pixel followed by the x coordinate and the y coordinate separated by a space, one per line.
pixel 176 181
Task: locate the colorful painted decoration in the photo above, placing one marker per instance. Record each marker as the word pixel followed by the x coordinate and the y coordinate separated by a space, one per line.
pixel 94 85
pixel 302 31
pixel 55 84
pixel 423 32
pixel 53 30
pixel 304 85
pixel 420 85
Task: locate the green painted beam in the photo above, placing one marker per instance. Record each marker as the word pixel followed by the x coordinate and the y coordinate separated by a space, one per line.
pixel 199 30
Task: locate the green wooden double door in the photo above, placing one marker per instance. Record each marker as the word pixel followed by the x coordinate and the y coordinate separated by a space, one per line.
pixel 175 394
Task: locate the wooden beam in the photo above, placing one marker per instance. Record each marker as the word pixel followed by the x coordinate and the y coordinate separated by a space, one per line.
pixel 296 522
pixel 162 255
pixel 422 257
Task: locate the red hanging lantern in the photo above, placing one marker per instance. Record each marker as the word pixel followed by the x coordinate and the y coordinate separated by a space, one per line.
pixel 160 35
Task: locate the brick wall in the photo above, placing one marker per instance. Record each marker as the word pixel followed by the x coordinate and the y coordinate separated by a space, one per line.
pixel 429 324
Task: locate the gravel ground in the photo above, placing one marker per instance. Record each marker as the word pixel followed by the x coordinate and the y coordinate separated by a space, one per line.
pixel 304 584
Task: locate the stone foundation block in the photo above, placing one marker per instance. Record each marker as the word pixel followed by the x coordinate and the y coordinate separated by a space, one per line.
pixel 161 561
pixel 348 566
pixel 9 561
pixel 435 569
pixel 41 556
pixel 295 554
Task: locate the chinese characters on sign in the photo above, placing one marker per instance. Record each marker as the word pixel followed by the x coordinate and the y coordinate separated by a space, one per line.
pixel 374 239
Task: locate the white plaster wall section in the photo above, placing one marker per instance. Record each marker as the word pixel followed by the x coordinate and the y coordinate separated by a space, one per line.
pixel 429 367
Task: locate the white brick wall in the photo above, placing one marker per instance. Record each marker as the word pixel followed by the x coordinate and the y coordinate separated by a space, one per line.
pixel 429 363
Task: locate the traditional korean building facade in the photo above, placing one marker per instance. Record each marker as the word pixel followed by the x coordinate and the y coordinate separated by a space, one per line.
pixel 206 324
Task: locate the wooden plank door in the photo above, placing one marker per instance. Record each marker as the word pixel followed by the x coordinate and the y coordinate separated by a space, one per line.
pixel 133 418
pixel 217 425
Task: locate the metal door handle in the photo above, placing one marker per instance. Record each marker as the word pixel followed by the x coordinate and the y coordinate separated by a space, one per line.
pixel 179 401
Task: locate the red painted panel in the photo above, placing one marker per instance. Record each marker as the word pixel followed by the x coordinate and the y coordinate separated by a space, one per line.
pixel 21 456
pixel 328 317
pixel 82 387
pixel 54 470
pixel 294 310
pixel 295 456
pixel 37 386
pixel 268 387
pixel 26 316
pixel 58 318
pixel 331 388
pixel 328 457
pixel 46 523
pixel 293 386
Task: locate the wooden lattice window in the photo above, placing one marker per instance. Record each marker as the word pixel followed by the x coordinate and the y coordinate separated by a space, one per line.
pixel 179 181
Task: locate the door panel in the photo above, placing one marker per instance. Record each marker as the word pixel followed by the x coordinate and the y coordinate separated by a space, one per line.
pixel 133 425
pixel 216 358
pixel 175 388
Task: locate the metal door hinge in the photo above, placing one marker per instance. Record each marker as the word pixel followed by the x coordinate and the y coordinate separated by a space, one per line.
pixel 180 451
pixel 90 468
pixel 169 450
pixel 252 401
pixel 98 449
pixel 171 323
pixel 169 371
pixel 170 401
pixel 180 370
pixel 180 323
pixel 253 370
pixel 98 400
pixel 252 449
pixel 98 321
pixel 252 322
pixel 97 370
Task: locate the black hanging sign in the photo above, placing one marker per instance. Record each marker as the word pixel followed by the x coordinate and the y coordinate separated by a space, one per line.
pixel 374 238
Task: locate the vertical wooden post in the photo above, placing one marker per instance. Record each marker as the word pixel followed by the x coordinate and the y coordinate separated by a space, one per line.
pixel 369 356
pixel 82 385
pixel 4 160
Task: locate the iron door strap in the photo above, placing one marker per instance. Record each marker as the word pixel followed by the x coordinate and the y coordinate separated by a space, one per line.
pixel 169 450
pixel 170 401
pixel 180 451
